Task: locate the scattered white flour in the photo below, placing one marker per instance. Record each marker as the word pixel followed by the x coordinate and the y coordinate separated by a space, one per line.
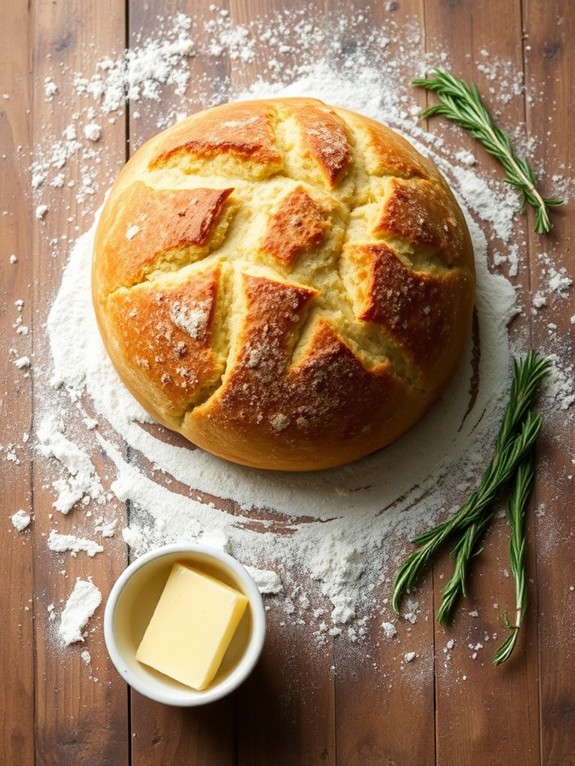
pixel 478 194
pixel 319 545
pixel 142 70
pixel 62 543
pixel 266 580
pixel 22 362
pixel 92 131
pixel 411 611
pixel 21 520
pixel 191 321
pixel 80 480
pixel 106 528
pixel 560 391
pixel 389 629
pixel 507 82
pixel 80 606
pixel 558 281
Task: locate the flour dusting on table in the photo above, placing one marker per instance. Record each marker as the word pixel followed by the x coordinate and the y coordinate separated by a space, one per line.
pixel 80 606
pixel 319 544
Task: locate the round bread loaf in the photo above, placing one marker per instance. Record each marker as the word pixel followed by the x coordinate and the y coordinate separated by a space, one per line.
pixel 288 285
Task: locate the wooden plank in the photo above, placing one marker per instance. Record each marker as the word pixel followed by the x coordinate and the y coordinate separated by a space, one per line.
pixel 81 702
pixel 482 709
pixel 16 562
pixel 549 55
pixel 377 689
pixel 510 695
pixel 182 736
pixel 161 734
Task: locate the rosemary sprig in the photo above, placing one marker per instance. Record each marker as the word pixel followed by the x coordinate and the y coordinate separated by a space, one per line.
pixel 462 104
pixel 464 550
pixel 515 509
pixel 467 545
pixel 517 435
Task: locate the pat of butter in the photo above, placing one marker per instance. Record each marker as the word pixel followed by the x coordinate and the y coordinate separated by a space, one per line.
pixel 192 626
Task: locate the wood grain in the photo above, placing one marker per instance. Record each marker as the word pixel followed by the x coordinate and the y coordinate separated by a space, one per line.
pixel 469 689
pixel 308 703
pixel 549 53
pixel 69 38
pixel 17 604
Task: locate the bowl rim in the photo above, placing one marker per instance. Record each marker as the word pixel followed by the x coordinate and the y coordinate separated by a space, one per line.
pixel 245 665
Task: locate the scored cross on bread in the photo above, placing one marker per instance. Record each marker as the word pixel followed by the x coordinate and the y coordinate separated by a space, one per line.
pixel 287 284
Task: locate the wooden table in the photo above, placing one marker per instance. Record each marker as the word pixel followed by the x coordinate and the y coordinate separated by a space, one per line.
pixel 298 707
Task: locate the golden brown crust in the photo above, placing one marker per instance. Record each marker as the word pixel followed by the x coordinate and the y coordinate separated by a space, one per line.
pixel 388 154
pixel 420 310
pixel 306 222
pixel 147 227
pixel 244 133
pixel 325 138
pixel 166 331
pixel 415 212
pixel 287 284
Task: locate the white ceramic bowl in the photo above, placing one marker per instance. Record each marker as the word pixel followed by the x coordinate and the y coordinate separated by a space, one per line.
pixel 132 602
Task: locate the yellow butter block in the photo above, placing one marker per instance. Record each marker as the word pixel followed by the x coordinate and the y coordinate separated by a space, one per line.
pixel 192 626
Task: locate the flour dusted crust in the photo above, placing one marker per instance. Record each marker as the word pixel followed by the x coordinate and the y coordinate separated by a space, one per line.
pixel 287 284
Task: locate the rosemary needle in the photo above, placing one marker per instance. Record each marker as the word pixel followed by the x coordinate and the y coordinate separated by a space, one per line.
pixel 462 104
pixel 517 435
pixel 516 513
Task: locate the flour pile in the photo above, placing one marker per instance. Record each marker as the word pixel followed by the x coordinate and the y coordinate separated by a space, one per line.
pixel 320 544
